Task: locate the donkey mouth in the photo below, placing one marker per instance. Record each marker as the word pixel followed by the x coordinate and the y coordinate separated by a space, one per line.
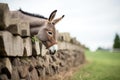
pixel 53 49
pixel 51 46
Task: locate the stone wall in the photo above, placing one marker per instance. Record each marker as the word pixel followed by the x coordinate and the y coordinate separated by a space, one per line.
pixel 38 67
pixel 15 37
pixel 65 37
pixel 22 59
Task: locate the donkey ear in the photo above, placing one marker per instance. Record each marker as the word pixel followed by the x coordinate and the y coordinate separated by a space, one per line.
pixel 52 15
pixel 57 20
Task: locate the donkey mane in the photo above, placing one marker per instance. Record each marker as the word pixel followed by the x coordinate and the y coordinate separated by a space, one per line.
pixel 32 14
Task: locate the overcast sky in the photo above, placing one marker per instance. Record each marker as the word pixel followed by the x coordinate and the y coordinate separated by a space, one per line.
pixel 93 22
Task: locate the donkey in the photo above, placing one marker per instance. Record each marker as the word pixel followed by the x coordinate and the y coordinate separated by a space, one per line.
pixel 42 27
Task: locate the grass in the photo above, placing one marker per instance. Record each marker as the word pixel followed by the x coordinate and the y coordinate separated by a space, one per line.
pixel 102 65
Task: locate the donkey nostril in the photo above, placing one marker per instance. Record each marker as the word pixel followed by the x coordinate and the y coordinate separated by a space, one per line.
pixel 53 49
pixel 52 52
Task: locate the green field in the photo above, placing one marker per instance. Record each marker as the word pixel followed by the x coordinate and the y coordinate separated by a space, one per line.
pixel 102 65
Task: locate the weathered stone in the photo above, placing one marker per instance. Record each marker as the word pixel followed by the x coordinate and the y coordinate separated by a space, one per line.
pixel 8 64
pixel 36 48
pixel 74 41
pixel 3 77
pixel 18 46
pixel 47 70
pixel 19 27
pixel 6 71
pixel 27 46
pixel 24 79
pixel 40 62
pixel 14 27
pixel 15 75
pixel 64 37
pixel 41 72
pixel 43 50
pixel 34 75
pixel 66 45
pixel 23 71
pixel 46 64
pixel 1 65
pixel 33 61
pixel 62 64
pixel 7 67
pixel 46 60
pixel 25 28
pixel 10 45
pixel 16 62
pixel 14 15
pixel 6 45
pixel 4 16
pixel 54 68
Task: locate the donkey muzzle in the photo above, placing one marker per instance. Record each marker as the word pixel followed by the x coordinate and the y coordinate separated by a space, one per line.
pixel 53 49
pixel 51 46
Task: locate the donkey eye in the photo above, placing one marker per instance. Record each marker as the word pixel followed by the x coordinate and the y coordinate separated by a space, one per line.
pixel 50 33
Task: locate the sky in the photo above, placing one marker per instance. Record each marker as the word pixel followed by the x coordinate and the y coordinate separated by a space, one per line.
pixel 93 22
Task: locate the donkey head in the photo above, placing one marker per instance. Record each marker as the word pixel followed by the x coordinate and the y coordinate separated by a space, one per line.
pixel 47 33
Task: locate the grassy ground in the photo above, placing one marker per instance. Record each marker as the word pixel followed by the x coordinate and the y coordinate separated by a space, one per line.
pixel 101 65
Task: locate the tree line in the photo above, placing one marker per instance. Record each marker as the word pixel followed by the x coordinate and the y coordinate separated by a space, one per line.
pixel 116 44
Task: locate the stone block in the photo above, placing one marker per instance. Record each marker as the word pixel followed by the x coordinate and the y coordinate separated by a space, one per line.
pixel 18 46
pixel 7 69
pixel 27 46
pixel 23 71
pixel 64 37
pixel 14 27
pixel 6 45
pixel 34 75
pixel 25 28
pixel 15 74
pixel 3 77
pixel 35 48
pixel 4 16
pixel 10 45
pixel 43 50
pixel 19 27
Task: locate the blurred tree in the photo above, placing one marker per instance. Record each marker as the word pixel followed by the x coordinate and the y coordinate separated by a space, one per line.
pixel 100 48
pixel 116 42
